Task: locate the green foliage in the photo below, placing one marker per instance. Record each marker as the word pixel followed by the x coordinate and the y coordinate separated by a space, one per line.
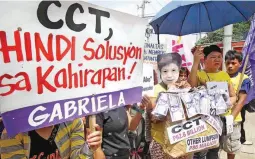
pixel 239 30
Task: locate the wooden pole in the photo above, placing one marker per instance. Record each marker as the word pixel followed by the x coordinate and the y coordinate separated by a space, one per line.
pixel 92 123
pixel 241 77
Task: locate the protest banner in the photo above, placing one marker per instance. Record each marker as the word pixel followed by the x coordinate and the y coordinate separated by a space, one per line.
pixel 62 60
pixel 202 142
pixel 181 45
pixel 170 43
pixel 148 80
pixel 185 130
pixel 151 51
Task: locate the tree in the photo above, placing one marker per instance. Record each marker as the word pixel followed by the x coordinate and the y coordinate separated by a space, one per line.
pixel 239 33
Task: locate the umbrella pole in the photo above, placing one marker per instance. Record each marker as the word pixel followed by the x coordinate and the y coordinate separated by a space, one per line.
pixel 201 66
pixel 158 34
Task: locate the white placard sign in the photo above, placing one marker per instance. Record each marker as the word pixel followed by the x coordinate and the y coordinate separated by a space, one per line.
pixel 202 142
pixel 214 123
pixel 185 130
pixel 148 80
pixel 62 60
pixel 151 51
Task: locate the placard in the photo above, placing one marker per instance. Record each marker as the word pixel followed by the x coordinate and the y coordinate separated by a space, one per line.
pixel 185 130
pixel 62 60
pixel 148 80
pixel 214 123
pixel 151 51
pixel 202 142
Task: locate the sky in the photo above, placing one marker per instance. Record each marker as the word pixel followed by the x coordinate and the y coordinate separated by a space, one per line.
pixel 131 6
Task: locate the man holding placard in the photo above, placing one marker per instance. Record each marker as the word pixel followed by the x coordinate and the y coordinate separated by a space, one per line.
pixel 212 56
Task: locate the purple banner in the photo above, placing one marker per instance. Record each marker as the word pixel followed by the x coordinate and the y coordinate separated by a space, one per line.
pixel 46 114
pixel 249 48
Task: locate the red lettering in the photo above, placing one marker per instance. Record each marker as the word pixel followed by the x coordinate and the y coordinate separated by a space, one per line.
pixel 28 46
pixel 73 77
pixel 132 69
pixel 106 75
pixel 61 74
pixel 126 54
pixel 81 78
pixel 102 50
pixel 86 75
pixel 89 49
pixel 138 53
pixel 121 74
pixel 96 78
pixel 27 85
pixel 17 86
pixel 70 45
pixel 11 86
pixel 120 53
pixel 5 49
pixel 39 47
pixel 42 82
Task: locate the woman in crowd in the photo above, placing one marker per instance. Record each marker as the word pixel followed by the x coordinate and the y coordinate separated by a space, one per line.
pixel 115 126
pixel 61 141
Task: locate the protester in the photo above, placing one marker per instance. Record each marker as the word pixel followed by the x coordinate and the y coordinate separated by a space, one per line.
pixel 233 61
pixel 184 73
pixel 65 140
pixel 212 57
pixel 169 67
pixel 139 145
pixel 115 126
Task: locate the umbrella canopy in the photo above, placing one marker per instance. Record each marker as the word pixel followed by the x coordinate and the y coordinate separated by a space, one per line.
pixel 187 17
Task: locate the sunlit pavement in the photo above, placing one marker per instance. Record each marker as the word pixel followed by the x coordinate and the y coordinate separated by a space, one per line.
pixel 247 152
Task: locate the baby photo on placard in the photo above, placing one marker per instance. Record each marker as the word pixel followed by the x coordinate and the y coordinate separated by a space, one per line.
pixel 176 108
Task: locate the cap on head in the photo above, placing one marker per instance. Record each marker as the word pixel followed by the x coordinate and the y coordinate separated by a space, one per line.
pixel 212 48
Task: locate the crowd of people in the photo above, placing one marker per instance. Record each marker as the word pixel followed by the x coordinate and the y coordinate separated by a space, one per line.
pixel 111 140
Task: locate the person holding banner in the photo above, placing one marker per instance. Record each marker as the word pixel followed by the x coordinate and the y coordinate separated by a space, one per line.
pixel 115 126
pixel 65 140
pixel 212 57
pixel 169 67
pixel 233 61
